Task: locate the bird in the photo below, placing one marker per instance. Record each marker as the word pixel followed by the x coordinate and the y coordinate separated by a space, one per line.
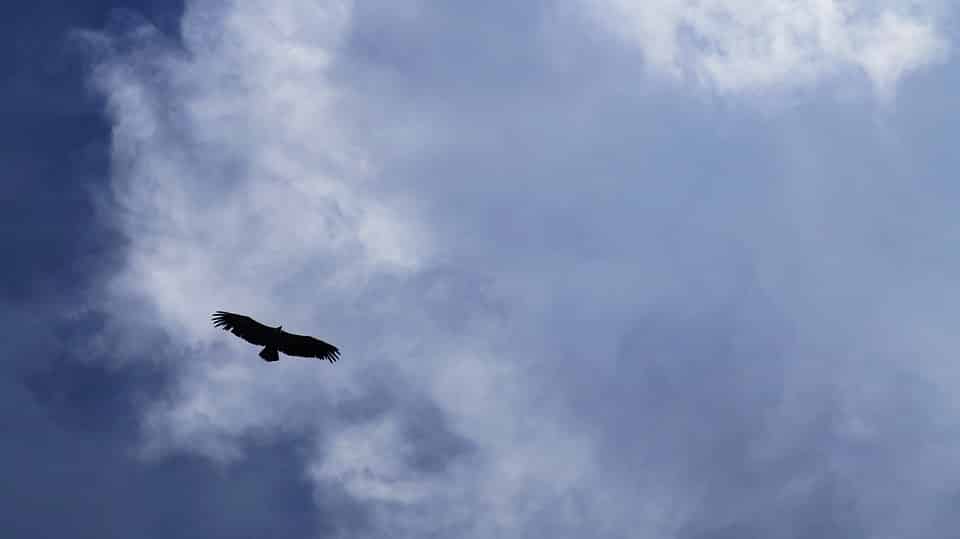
pixel 274 340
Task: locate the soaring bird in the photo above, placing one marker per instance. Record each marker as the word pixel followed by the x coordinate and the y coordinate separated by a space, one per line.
pixel 274 340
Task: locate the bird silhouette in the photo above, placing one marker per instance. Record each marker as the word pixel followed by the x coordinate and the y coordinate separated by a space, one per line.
pixel 274 340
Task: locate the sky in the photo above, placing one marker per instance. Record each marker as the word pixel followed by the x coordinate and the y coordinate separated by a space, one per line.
pixel 596 268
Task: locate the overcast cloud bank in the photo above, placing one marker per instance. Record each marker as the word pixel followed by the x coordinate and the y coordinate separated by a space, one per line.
pixel 571 303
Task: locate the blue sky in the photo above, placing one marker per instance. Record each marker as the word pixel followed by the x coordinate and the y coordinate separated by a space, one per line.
pixel 597 268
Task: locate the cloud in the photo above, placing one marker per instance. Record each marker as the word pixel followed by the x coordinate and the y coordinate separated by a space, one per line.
pixel 735 46
pixel 240 186
pixel 565 309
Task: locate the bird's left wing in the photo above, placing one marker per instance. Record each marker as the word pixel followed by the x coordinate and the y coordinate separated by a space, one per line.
pixel 304 346
pixel 242 326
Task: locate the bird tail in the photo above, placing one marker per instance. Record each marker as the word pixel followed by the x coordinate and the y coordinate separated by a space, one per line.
pixel 270 354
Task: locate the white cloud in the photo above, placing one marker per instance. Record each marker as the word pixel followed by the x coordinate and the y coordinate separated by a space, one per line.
pixel 737 46
pixel 516 271
pixel 239 189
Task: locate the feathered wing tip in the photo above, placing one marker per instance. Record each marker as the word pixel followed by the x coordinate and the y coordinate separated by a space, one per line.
pixel 332 356
pixel 220 319
pixel 324 351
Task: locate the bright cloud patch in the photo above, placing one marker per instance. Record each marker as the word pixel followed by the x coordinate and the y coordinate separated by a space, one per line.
pixel 746 45
pixel 239 190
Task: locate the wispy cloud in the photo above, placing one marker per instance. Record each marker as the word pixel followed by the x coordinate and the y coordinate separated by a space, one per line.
pixel 736 46
pixel 565 308
pixel 239 187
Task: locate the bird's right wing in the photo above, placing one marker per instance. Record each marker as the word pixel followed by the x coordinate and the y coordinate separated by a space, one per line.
pixel 305 346
pixel 242 326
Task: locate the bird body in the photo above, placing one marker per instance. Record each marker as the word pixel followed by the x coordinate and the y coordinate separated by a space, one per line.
pixel 274 340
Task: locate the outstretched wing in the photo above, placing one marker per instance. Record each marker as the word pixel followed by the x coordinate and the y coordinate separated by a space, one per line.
pixel 304 346
pixel 244 327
